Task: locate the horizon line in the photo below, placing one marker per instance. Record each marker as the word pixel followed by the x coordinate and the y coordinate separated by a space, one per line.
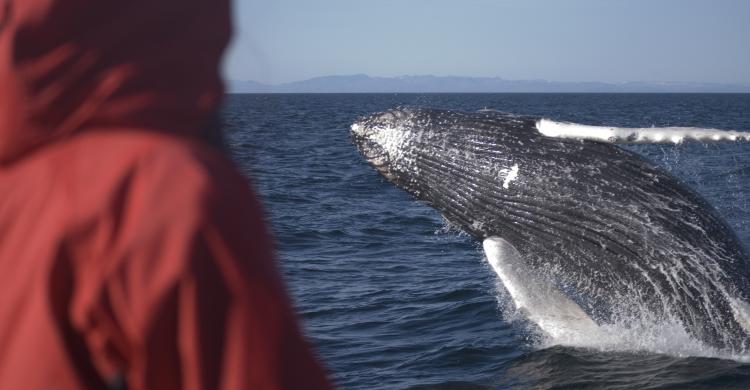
pixel 499 78
pixel 228 92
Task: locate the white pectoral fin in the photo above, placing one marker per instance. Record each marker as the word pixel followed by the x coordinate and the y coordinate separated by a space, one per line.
pixel 632 135
pixel 542 303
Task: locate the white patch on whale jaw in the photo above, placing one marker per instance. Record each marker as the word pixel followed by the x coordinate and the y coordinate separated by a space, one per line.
pixel 543 304
pixel 644 135
pixel 510 175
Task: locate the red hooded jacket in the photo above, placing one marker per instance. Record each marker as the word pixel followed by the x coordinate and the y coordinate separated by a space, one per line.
pixel 131 251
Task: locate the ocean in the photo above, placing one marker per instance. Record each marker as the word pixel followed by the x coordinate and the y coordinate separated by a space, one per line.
pixel 392 297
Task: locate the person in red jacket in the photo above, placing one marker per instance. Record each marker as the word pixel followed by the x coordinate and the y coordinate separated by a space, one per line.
pixel 132 251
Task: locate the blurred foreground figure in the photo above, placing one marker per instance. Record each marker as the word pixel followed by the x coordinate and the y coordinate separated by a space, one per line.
pixel 132 252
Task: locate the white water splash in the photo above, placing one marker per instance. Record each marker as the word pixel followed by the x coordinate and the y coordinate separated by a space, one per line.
pixel 611 134
pixel 643 335
pixel 557 320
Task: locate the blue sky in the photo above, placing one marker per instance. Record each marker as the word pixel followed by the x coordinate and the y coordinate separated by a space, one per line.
pixel 559 40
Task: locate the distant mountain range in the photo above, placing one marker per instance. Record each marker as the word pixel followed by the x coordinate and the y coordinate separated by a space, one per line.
pixel 361 83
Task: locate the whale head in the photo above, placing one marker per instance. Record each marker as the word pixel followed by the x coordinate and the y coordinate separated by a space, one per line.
pixel 387 141
pixel 403 144
pixel 420 149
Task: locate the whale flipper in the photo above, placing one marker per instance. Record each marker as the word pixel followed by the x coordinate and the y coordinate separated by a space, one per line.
pixel 546 306
pixel 633 135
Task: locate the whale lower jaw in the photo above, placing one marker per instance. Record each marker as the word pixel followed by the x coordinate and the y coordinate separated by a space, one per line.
pixel 540 302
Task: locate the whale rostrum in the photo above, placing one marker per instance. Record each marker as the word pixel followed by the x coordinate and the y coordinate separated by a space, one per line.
pixel 582 233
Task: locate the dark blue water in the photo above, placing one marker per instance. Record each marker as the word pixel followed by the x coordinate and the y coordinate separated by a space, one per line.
pixel 393 299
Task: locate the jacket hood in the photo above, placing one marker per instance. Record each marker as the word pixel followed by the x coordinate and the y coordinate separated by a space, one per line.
pixel 68 66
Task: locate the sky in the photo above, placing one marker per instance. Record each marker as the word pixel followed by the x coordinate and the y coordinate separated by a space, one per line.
pixel 279 41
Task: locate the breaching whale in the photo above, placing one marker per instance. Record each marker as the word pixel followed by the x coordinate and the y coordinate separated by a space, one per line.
pixel 581 232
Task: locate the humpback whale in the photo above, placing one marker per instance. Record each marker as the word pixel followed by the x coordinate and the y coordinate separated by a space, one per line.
pixel 581 232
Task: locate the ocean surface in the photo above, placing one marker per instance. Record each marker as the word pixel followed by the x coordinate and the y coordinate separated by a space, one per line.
pixel 393 298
